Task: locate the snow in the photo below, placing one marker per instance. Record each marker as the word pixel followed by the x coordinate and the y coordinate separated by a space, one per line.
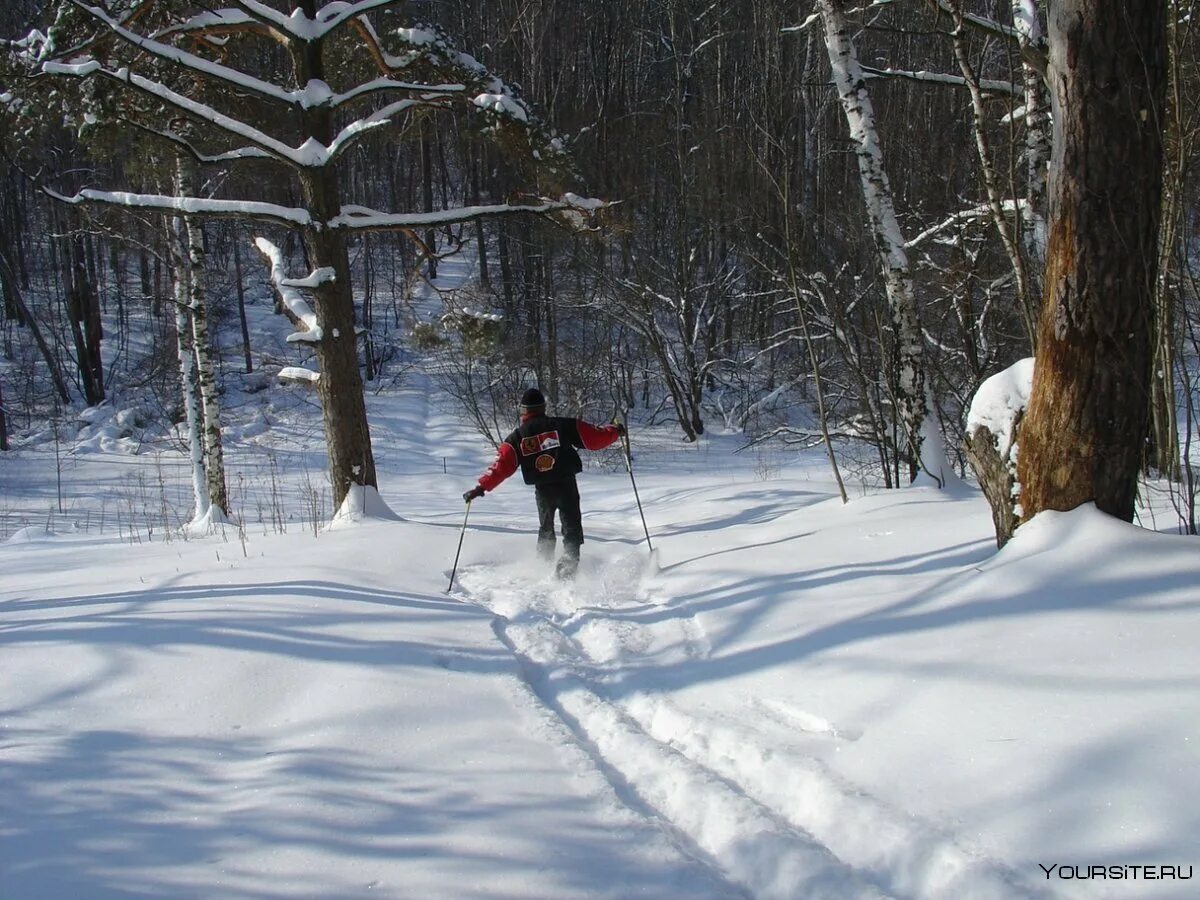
pixel 289 290
pixel 790 698
pixel 796 699
pixel 1000 400
pixel 298 373
pixel 501 103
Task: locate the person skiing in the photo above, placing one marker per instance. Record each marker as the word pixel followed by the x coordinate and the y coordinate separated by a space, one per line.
pixel 544 449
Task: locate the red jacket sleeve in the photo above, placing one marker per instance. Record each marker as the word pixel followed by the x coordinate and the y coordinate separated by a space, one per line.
pixel 596 437
pixel 502 466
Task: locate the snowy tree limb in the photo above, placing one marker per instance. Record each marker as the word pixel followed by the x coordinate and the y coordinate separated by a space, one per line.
pixel 989 86
pixel 190 61
pixel 271 213
pixel 298 26
pixel 202 111
pixel 203 158
pixel 288 290
pixel 970 214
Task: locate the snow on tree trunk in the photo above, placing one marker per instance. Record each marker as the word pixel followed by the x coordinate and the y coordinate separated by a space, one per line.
pixel 993 423
pixel 911 394
pixel 187 375
pixel 1084 434
pixel 214 457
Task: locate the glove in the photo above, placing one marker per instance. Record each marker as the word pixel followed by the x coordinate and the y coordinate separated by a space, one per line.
pixel 473 493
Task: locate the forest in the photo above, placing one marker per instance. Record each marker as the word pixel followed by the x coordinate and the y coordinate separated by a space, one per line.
pixel 820 224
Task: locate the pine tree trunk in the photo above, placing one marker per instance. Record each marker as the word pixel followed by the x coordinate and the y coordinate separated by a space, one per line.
pixel 1084 432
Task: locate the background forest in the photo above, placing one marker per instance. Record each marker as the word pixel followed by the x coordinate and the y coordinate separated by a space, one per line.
pixel 733 282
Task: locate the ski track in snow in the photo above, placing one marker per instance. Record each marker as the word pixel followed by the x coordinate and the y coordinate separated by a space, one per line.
pixel 767 819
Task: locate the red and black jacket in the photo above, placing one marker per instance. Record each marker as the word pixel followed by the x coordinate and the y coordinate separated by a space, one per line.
pixel 544 449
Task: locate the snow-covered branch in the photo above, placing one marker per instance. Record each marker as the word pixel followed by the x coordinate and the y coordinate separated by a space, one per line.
pixel 300 27
pixel 202 111
pixel 289 291
pixel 361 218
pixel 970 214
pixel 190 61
pixel 386 85
pixel 195 153
pixel 990 86
pixel 190 206
pixel 1026 33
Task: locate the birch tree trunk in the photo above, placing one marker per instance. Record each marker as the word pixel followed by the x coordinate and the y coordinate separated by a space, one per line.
pixel 214 458
pixel 1083 436
pixel 187 372
pixel 911 392
pixel 1031 40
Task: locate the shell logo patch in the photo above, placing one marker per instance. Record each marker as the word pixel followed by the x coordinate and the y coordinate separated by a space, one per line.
pixel 540 443
pixel 544 463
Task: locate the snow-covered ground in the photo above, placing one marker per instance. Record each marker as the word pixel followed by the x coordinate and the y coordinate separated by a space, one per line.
pixel 792 698
pixel 795 699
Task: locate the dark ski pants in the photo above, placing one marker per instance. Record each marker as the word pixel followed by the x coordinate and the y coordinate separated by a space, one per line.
pixel 561 497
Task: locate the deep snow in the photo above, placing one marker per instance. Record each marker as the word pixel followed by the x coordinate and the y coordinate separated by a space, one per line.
pixel 801 699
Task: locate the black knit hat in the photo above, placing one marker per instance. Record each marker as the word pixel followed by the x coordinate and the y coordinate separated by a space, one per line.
pixel 532 401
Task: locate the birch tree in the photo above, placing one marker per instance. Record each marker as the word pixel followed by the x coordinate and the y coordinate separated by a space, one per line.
pixel 190 274
pixel 912 389
pixel 346 80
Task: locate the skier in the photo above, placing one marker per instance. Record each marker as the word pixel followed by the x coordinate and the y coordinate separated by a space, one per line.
pixel 544 448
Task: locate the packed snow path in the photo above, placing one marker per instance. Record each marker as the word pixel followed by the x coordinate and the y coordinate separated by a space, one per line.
pixel 775 823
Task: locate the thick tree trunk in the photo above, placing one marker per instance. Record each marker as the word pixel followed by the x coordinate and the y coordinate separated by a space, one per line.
pixel 1083 437
pixel 340 387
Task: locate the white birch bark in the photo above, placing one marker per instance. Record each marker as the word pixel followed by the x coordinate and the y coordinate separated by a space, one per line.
pixel 911 399
pixel 1031 37
pixel 214 459
pixel 187 374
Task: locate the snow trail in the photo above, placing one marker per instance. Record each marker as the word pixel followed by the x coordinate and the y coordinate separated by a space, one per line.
pixel 707 814
pixel 771 819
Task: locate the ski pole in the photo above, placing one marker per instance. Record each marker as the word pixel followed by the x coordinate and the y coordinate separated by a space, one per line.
pixel 462 534
pixel 633 481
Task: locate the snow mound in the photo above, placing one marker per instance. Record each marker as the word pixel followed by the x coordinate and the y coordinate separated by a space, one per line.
pixel 362 502
pixel 33 534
